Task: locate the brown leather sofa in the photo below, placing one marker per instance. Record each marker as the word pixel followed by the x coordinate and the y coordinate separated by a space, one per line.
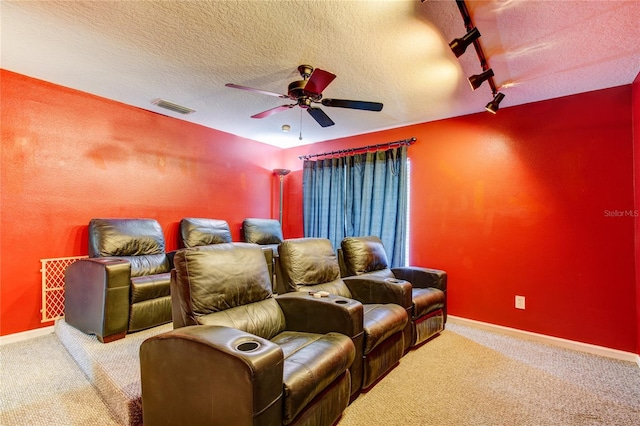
pixel 196 232
pixel 310 265
pixel 238 355
pixel 366 256
pixel 124 285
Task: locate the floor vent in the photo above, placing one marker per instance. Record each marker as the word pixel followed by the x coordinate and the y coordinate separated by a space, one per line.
pixel 53 286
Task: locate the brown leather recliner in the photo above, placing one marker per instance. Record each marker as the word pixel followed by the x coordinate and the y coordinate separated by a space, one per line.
pixel 124 285
pixel 311 265
pixel 268 234
pixel 366 256
pixel 238 355
pixel 196 232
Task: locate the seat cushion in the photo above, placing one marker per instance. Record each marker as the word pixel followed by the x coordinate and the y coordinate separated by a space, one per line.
pixel 307 262
pixel 380 322
pixel 262 231
pixel 363 254
pixel 150 287
pixel 203 232
pixel 264 318
pixel 426 300
pixel 125 237
pixel 311 363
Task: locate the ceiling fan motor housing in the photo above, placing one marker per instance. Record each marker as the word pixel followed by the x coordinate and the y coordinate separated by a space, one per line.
pixel 297 93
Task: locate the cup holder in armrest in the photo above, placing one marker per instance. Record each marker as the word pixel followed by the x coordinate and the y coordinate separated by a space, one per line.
pixel 395 280
pixel 249 346
pixel 342 301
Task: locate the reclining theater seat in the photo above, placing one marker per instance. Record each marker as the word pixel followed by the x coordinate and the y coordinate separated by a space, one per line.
pixel 238 355
pixel 310 264
pixel 366 256
pixel 268 234
pixel 124 285
pixel 196 232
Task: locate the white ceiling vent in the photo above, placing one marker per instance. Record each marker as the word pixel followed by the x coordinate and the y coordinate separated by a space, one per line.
pixel 173 107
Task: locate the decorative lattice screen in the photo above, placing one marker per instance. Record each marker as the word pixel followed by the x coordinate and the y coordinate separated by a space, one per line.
pixel 53 286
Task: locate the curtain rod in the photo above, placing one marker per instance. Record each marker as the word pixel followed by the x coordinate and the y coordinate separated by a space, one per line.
pixel 351 151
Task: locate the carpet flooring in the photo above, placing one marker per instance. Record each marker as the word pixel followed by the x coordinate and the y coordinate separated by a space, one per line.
pixel 465 376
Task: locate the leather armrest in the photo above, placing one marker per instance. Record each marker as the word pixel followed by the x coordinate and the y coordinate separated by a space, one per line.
pixel 181 310
pixel 373 289
pixel 303 312
pixel 211 375
pixel 97 296
pixel 170 256
pixel 422 277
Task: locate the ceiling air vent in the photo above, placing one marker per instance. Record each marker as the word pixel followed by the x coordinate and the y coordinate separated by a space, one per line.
pixel 173 107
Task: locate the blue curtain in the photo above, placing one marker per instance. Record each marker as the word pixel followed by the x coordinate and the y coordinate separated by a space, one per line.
pixel 358 195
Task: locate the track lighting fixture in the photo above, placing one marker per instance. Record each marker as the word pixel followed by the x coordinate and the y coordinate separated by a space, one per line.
pixel 459 45
pixel 493 106
pixel 476 80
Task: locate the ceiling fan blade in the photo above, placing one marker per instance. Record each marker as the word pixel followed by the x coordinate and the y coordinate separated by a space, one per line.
pixel 251 89
pixel 319 115
pixel 345 103
pixel 318 81
pixel 272 111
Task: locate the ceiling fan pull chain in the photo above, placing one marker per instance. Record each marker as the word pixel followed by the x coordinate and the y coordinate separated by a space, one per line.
pixel 300 137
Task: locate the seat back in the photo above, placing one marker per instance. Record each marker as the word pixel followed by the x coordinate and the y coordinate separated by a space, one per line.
pixel 139 241
pixel 196 232
pixel 364 255
pixel 309 264
pixel 225 284
pixel 262 231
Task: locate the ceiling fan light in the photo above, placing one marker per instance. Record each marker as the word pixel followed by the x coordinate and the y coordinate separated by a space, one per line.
pixel 493 106
pixel 459 45
pixel 476 80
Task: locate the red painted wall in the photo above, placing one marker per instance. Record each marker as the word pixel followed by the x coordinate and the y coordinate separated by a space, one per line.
pixel 68 156
pixel 526 202
pixel 636 154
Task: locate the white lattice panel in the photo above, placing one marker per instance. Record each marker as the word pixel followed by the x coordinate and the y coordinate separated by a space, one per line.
pixel 53 286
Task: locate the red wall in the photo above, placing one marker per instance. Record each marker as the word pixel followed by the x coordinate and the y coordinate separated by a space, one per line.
pixel 636 153
pixel 525 202
pixel 68 156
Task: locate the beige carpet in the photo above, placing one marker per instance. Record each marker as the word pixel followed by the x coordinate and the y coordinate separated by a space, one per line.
pixel 466 376
pixel 470 377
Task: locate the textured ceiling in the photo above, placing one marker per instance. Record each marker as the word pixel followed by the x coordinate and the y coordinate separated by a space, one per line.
pixel 394 52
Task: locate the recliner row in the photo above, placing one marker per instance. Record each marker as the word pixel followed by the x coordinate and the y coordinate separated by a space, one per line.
pixel 226 316
pixel 124 284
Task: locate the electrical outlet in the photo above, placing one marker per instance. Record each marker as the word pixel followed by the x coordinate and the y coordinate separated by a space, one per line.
pixel 519 302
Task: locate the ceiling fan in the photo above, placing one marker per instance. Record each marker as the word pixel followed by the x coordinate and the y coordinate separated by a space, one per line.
pixel 308 91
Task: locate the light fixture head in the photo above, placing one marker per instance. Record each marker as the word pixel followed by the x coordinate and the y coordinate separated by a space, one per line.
pixel 459 45
pixel 286 128
pixel 476 80
pixel 281 172
pixel 493 106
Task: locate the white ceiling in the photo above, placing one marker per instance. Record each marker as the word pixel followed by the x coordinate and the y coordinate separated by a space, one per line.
pixel 394 52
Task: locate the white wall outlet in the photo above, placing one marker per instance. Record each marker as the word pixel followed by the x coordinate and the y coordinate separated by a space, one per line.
pixel 519 302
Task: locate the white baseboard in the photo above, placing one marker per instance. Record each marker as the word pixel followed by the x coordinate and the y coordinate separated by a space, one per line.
pixel 25 335
pixel 542 338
